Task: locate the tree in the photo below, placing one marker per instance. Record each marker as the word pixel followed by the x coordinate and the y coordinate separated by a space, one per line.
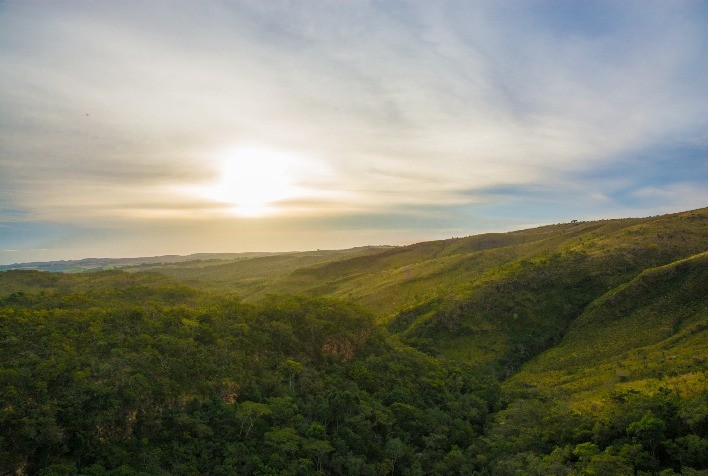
pixel 648 431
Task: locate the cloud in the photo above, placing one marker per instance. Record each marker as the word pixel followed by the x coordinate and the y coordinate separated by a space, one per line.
pixel 665 198
pixel 110 109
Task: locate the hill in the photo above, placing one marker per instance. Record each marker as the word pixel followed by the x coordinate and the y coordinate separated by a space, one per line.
pixel 492 301
pixel 620 388
pixel 252 276
pixel 87 264
pixel 503 315
pixel 644 334
pixel 569 349
pixel 117 373
pixel 276 262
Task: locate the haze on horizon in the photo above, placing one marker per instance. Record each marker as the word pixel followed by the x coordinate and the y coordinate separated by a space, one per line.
pixel 132 128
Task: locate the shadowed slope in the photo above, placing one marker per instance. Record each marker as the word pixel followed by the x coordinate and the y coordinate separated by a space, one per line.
pixel 505 315
pixel 649 332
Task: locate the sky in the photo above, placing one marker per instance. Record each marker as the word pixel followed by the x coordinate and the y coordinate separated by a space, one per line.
pixel 141 128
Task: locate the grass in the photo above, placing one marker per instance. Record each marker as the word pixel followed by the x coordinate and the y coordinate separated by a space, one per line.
pixel 649 332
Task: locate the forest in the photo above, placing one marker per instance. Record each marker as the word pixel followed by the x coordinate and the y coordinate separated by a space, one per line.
pixel 571 349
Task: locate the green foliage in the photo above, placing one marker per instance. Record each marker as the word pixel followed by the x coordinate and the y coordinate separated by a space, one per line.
pixel 493 301
pixel 290 386
pixel 574 349
pixel 636 432
pixel 649 332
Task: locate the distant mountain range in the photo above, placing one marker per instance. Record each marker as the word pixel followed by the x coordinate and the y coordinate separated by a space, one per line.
pixel 191 260
pixel 85 264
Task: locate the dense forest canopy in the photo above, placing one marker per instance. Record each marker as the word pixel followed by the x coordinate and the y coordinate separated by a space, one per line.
pixel 572 349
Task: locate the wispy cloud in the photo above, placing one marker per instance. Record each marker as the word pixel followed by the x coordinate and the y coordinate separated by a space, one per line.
pixel 111 108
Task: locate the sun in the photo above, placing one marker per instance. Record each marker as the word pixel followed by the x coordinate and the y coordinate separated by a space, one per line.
pixel 255 181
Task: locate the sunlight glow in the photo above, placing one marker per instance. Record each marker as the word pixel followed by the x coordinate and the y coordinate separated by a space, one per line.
pixel 255 181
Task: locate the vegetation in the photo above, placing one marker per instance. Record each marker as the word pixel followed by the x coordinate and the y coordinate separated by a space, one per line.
pixel 573 349
pixel 156 383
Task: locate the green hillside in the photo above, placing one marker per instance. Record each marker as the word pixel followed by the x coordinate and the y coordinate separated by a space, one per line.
pixel 570 349
pixel 115 373
pixel 491 301
pixel 504 315
pixel 43 289
pixel 390 280
pixel 621 388
pixel 647 333
pixel 251 275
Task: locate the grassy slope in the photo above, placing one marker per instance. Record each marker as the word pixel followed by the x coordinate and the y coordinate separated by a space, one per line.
pixel 496 300
pixel 512 312
pixel 493 301
pixel 649 332
pixel 390 280
pixel 251 276
pixel 384 280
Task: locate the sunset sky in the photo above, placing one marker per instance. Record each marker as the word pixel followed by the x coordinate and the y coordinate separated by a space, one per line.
pixel 138 128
